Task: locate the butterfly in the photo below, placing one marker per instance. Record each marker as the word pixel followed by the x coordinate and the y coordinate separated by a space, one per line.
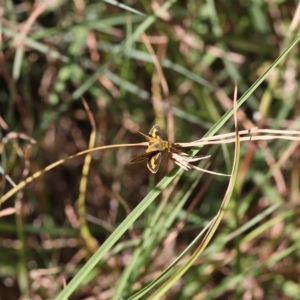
pixel 156 147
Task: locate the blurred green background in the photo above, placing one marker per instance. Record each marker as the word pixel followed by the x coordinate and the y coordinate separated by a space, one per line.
pixel 135 68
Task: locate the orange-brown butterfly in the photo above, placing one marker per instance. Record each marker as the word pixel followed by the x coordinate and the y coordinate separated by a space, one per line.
pixel 155 149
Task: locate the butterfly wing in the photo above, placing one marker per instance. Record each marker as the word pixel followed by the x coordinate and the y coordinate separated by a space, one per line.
pixel 155 132
pixel 154 162
pixel 140 158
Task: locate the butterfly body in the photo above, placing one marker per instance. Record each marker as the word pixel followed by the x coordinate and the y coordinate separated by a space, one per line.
pixel 158 146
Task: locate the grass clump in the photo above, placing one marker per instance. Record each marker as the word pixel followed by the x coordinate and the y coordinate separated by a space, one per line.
pixel 77 223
